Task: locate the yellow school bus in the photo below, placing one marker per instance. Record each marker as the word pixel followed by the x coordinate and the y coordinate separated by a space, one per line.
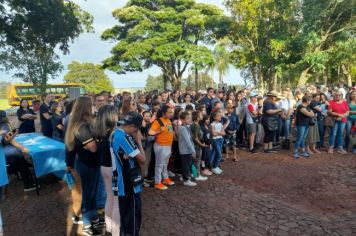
pixel 16 92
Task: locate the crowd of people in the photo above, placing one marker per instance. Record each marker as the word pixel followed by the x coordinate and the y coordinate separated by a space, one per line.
pixel 116 145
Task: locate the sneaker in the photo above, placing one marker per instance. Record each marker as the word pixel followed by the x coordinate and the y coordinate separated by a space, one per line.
pixel 216 171
pixel 98 223
pixel 296 155
pixel 171 174
pixel 29 188
pixel 341 151
pixel 331 150
pixel 168 182
pixel 146 185
pixel 253 150
pixel 90 230
pixel 160 186
pixel 201 178
pixel 189 183
pixel 305 154
pixel 77 220
pixel 219 169
pixel 206 172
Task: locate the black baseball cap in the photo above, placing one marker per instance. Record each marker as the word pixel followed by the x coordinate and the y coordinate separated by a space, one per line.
pixel 131 118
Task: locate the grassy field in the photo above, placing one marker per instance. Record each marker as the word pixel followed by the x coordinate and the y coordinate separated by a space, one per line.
pixel 3 104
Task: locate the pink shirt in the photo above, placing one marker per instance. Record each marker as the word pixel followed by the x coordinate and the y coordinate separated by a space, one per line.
pixel 339 108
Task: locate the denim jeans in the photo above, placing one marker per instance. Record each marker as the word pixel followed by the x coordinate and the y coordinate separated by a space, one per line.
pixel 321 128
pixel 101 196
pixel 302 133
pixel 348 132
pixel 90 182
pixel 216 152
pixel 286 128
pixel 337 133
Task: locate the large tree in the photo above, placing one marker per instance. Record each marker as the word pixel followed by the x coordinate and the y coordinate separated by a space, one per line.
pixel 90 75
pixel 322 24
pixel 30 32
pixel 167 34
pixel 262 31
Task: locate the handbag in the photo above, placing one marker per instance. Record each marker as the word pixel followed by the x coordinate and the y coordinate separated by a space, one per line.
pixel 312 121
pixel 329 121
pixel 272 123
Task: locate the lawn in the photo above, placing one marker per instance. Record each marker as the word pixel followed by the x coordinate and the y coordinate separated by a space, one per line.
pixel 3 104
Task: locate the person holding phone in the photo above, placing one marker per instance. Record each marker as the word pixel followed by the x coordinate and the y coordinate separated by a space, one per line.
pixel 15 153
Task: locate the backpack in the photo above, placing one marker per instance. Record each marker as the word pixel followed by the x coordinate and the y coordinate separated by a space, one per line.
pixel 152 138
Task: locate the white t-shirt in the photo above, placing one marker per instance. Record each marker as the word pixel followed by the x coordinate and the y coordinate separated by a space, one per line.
pixel 218 126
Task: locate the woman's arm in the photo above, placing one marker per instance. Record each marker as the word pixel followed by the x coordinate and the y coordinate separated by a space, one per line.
pixel 306 112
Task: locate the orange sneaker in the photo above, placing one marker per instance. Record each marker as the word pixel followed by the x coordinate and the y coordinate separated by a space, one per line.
pixel 160 186
pixel 168 181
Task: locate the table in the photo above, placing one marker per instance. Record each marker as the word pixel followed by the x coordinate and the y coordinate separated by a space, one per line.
pixel 4 180
pixel 48 155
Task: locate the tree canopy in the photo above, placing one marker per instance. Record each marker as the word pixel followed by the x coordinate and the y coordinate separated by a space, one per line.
pixel 167 34
pixel 90 75
pixel 30 32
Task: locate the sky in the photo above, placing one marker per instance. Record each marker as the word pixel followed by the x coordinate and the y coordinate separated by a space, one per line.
pixel 88 47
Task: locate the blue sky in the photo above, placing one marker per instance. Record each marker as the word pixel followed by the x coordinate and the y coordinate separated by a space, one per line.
pixel 89 47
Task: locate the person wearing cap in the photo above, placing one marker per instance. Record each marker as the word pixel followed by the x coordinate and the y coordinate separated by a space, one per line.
pixel 129 159
pixel 15 153
pixel 270 120
pixel 252 114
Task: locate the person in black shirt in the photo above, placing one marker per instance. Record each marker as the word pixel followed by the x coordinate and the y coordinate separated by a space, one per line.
pixel 26 116
pixel 81 140
pixel 57 122
pixel 303 117
pixel 270 119
pixel 105 123
pixel 45 115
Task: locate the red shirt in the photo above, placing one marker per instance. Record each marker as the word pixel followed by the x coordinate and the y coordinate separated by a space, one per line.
pixel 339 108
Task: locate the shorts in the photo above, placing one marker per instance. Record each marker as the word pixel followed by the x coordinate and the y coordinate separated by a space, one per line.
pixel 230 140
pixel 252 128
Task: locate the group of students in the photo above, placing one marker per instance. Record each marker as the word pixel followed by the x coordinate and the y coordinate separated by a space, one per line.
pixel 116 145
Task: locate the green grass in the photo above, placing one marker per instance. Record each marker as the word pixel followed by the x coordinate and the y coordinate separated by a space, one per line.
pixel 3 104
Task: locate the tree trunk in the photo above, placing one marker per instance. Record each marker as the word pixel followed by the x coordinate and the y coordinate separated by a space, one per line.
pixel 346 72
pixel 325 77
pixel 196 79
pixel 165 81
pixel 303 77
pixel 261 86
pixel 274 82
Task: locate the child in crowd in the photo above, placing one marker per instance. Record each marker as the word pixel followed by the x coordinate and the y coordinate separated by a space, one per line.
pixel 206 161
pixel 217 133
pixel 230 137
pixel 198 144
pixel 186 148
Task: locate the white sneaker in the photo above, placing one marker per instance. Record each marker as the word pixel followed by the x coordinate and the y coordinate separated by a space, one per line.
pixel 201 178
pixel 216 171
pixel 171 174
pixel 189 183
pixel 219 169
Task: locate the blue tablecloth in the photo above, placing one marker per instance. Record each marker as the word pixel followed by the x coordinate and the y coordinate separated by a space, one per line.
pixel 3 173
pixel 48 155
